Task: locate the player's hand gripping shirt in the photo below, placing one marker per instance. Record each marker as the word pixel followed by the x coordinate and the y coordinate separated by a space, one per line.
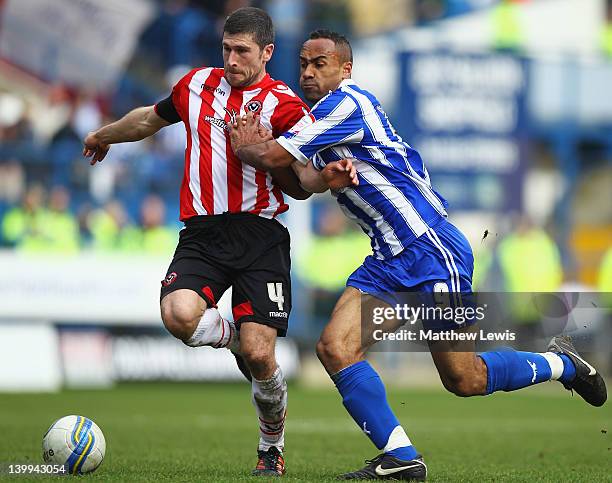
pixel 394 202
pixel 215 180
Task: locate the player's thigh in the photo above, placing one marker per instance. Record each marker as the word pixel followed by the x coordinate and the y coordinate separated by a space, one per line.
pixel 345 321
pixel 342 342
pixel 351 320
pixel 193 282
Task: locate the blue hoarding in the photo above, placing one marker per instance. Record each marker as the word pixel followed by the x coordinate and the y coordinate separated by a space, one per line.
pixel 465 114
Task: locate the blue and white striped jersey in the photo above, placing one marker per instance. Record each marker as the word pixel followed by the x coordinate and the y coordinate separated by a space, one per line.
pixel 394 202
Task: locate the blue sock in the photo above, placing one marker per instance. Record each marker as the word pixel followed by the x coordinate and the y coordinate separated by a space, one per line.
pixel 569 370
pixel 509 370
pixel 364 397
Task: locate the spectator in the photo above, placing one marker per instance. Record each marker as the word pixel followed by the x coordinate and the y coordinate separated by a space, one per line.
pixel 106 224
pixel 32 228
pixel 25 219
pixel 17 139
pixel 530 263
pixel 530 260
pixel 153 238
pixel 332 256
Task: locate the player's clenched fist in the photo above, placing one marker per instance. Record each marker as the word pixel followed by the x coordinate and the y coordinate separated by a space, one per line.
pixel 94 148
pixel 340 174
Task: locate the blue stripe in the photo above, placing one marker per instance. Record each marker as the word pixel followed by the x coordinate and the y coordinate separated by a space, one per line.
pixel 89 450
pixel 390 156
pixel 362 121
pixel 85 428
pixel 332 136
pixel 74 429
pixel 80 447
pixel 383 247
pixel 324 107
pixel 377 198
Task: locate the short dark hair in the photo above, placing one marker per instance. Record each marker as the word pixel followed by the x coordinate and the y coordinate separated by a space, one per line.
pixel 251 20
pixel 341 42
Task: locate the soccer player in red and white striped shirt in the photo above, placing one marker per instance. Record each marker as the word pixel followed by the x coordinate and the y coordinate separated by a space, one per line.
pixel 231 235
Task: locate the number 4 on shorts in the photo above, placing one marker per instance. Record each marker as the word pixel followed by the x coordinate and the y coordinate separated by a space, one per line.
pixel 275 292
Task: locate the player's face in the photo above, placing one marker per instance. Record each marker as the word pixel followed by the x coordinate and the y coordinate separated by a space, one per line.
pixel 243 60
pixel 321 68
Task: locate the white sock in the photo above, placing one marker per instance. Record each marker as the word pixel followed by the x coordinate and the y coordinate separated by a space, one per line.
pixel 397 439
pixel 270 401
pixel 213 330
pixel 555 363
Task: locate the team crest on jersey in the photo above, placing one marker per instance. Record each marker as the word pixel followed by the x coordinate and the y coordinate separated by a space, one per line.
pixel 253 106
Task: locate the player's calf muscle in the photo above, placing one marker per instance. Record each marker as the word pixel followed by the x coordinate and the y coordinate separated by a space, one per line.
pixel 257 343
pixel 464 376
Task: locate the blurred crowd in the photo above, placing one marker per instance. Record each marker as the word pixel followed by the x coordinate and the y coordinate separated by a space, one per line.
pixel 52 200
pixel 44 223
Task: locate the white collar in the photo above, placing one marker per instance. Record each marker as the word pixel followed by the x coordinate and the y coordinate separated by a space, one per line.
pixel 346 82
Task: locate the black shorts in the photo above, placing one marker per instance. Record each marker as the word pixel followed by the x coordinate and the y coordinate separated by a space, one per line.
pixel 244 251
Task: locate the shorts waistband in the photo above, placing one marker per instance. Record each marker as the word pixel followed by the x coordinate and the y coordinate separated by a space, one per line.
pixel 223 217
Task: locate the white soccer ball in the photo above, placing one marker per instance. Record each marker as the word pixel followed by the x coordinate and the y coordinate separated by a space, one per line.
pixel 75 442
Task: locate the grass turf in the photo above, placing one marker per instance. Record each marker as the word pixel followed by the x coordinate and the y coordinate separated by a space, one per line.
pixel 207 432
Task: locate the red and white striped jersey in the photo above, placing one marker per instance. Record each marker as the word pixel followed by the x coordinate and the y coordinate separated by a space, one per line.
pixel 215 180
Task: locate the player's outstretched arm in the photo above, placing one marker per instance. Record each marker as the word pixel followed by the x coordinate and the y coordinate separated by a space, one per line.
pixel 289 183
pixel 138 124
pixel 256 147
pixel 246 138
pixel 335 175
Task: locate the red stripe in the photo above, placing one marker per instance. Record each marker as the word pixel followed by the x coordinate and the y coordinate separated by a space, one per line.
pixel 204 130
pixel 242 310
pixel 274 422
pixel 180 98
pixel 263 194
pixel 234 165
pixel 217 345
pixel 282 206
pixel 186 199
pixel 209 293
pixel 275 433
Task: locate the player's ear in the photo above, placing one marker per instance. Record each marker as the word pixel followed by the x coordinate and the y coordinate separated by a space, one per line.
pixel 347 70
pixel 267 52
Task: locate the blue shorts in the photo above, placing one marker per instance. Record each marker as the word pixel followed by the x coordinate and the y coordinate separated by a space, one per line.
pixel 440 260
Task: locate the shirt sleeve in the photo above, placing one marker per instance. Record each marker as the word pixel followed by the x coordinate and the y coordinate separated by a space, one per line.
pixel 166 110
pixel 336 120
pixel 175 107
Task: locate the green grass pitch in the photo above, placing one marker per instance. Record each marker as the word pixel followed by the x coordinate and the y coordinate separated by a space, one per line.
pixel 208 432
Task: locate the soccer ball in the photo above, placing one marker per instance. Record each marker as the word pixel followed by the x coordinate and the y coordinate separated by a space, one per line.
pixel 75 442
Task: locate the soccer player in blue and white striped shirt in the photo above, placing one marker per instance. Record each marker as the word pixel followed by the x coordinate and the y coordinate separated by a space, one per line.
pixel 415 249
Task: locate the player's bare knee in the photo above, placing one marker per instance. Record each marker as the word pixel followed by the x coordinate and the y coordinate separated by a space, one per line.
pixel 335 354
pixel 326 352
pixel 179 319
